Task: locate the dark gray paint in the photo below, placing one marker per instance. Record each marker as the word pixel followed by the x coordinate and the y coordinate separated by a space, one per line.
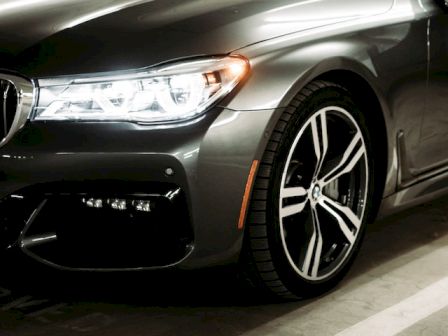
pixel 289 43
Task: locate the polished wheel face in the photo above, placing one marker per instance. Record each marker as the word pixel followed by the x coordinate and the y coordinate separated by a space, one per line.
pixel 324 188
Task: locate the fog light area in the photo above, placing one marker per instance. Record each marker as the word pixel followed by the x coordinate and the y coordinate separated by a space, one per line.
pixel 118 204
pixel 109 228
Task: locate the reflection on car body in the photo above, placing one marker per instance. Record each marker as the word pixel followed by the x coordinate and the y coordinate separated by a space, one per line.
pixel 141 135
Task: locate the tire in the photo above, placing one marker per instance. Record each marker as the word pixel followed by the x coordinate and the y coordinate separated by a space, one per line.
pixel 311 197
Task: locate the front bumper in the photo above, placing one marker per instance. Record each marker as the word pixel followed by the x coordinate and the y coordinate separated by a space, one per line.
pixel 210 156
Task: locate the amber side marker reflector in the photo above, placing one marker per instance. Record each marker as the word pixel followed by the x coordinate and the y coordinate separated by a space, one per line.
pixel 245 203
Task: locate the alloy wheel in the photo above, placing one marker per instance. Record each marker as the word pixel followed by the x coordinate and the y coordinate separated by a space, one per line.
pixel 324 187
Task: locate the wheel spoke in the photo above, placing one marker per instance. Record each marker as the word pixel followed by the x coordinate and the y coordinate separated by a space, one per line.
pixel 343 226
pixel 314 249
pixel 296 208
pixel 320 140
pixel 293 209
pixel 351 216
pixel 350 158
pixel 293 192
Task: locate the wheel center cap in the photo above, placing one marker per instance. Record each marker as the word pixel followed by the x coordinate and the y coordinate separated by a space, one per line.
pixel 316 193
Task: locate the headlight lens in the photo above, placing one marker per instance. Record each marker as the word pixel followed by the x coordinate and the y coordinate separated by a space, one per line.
pixel 176 92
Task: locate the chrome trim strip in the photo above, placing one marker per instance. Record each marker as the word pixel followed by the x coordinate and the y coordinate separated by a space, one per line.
pixel 5 106
pixel 25 101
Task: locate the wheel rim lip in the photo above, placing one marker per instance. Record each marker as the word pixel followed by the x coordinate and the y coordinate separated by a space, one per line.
pixel 292 149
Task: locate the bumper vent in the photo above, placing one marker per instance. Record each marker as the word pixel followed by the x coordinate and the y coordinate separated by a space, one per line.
pixel 60 226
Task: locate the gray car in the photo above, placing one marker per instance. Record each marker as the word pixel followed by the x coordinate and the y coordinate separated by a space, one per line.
pixel 146 135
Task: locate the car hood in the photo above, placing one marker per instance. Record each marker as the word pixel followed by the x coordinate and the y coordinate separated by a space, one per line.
pixel 41 38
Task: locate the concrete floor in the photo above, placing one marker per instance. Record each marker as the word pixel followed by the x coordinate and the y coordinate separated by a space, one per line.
pixel 398 285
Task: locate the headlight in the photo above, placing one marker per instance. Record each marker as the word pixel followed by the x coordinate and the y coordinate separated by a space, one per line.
pixel 175 92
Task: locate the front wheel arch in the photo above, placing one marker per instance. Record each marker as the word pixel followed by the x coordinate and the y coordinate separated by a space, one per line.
pixel 361 82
